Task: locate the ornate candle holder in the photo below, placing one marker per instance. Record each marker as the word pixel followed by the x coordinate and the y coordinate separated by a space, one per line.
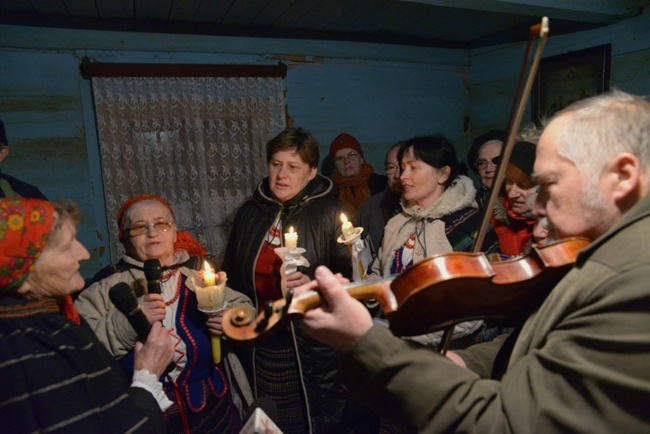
pixel 291 260
pixel 356 245
pixel 212 300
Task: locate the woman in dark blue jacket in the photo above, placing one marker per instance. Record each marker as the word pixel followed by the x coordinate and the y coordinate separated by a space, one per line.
pixel 288 367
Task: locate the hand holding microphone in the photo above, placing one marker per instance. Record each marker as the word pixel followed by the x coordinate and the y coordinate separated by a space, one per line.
pixel 157 352
pixel 125 301
pixel 156 355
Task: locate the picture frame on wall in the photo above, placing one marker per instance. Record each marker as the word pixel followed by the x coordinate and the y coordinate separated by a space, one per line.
pixel 566 78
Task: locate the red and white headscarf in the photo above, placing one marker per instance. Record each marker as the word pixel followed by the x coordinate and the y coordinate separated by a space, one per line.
pixel 25 227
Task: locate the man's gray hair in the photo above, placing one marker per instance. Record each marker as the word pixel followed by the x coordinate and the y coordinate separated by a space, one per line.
pixel 603 126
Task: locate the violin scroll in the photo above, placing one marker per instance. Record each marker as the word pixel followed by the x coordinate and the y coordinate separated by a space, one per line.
pixel 240 325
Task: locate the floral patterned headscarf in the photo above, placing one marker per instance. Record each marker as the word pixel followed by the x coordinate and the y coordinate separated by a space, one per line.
pixel 25 225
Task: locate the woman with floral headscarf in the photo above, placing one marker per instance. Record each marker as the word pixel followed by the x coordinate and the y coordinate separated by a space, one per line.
pixel 198 386
pixel 56 375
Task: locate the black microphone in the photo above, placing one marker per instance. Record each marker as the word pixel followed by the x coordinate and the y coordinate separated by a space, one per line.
pixel 124 299
pixel 153 274
pixel 260 417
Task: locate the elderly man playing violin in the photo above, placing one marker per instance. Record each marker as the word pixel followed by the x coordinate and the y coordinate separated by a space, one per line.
pixel 580 362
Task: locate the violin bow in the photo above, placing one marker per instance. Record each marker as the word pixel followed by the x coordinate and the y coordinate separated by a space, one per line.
pixel 520 100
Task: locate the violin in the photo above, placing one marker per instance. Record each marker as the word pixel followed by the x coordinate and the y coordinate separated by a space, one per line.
pixel 433 294
pixel 441 291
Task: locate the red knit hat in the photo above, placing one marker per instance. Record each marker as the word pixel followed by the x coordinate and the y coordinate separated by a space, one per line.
pixel 342 141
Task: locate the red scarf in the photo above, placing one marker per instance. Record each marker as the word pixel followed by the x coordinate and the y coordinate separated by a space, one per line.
pixel 353 191
pixel 514 235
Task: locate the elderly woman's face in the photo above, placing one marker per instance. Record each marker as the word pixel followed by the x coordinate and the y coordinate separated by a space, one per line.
pixel 288 174
pixel 56 271
pixel 348 162
pixel 150 233
pixel 519 187
pixel 485 165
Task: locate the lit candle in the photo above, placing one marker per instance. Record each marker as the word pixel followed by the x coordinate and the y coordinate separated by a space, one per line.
pixel 209 278
pixel 347 228
pixel 291 239
pixel 211 295
pixel 211 298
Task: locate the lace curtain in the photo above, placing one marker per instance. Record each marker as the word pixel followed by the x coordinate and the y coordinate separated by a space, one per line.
pixel 197 142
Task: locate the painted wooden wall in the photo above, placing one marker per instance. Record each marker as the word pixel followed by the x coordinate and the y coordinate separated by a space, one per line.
pixel 493 71
pixel 379 93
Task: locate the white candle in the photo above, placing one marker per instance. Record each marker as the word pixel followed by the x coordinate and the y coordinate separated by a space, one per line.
pixel 347 228
pixel 210 296
pixel 291 239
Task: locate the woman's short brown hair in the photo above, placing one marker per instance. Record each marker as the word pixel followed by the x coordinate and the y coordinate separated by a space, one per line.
pixel 294 139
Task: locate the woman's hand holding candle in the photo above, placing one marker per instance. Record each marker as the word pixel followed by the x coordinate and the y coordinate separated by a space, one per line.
pixel 215 325
pixel 211 297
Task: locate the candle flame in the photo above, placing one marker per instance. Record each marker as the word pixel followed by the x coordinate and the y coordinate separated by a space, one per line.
pixel 290 229
pixel 209 278
pixel 344 219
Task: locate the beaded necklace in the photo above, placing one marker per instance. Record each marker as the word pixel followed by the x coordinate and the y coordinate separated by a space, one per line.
pixel 178 287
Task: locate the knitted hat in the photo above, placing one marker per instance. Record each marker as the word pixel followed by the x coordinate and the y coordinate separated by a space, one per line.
pixel 523 157
pixel 121 214
pixel 481 140
pixel 3 135
pixel 342 141
pixel 25 226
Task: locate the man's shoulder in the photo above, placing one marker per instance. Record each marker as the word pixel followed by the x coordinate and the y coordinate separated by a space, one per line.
pixel 22 188
pixel 377 183
pixel 373 202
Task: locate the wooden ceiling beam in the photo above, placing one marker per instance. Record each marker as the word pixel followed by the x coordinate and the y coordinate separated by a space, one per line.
pixel 588 11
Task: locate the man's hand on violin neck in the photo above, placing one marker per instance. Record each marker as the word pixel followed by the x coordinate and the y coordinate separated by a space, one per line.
pixel 342 320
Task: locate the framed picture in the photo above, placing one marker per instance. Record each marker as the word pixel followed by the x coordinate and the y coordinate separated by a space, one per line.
pixel 566 78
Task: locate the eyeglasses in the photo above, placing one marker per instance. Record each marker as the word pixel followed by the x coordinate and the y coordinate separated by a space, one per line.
pixel 391 170
pixel 160 226
pixel 351 155
pixel 483 163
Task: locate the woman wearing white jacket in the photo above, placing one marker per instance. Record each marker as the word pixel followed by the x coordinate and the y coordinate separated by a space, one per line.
pixel 439 215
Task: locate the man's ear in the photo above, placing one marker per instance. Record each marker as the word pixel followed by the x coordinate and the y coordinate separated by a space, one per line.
pixel 622 176
pixel 4 153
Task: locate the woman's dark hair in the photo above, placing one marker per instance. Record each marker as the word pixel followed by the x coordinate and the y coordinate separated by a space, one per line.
pixel 436 151
pixel 294 138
